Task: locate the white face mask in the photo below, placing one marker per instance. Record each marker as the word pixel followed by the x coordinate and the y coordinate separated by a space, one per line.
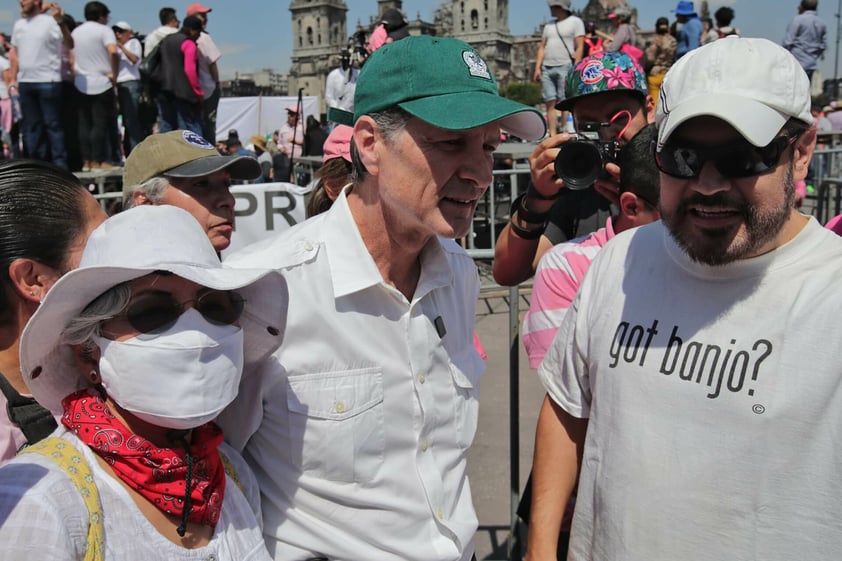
pixel 180 378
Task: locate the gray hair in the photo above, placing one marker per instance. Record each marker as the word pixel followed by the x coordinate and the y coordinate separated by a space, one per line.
pixel 153 189
pixel 81 329
pixel 390 122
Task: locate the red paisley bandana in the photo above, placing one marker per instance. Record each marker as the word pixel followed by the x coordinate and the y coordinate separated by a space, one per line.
pixel 158 474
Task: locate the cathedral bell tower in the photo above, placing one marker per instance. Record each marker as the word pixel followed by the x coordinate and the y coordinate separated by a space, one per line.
pixel 485 25
pixel 318 35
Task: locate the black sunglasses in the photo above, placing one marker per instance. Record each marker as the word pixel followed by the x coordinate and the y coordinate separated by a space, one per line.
pixel 734 160
pixel 156 311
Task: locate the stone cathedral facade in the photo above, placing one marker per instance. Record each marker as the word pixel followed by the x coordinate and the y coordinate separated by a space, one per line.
pixel 320 31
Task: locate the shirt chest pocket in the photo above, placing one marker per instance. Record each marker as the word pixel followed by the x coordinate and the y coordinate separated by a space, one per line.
pixel 336 423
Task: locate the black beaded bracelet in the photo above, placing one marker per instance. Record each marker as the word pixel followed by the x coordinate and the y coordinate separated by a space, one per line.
pixel 519 206
pixel 533 193
pixel 527 234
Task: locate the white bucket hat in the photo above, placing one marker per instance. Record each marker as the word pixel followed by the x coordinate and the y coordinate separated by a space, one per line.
pixel 127 246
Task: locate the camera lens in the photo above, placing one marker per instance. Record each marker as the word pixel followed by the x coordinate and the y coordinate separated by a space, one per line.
pixel 578 164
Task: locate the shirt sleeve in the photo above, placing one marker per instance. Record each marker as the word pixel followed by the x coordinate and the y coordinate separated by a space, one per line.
pixel 208 49
pixel 42 511
pixel 564 370
pixel 556 283
pixel 108 37
pixel 134 46
pixel 190 69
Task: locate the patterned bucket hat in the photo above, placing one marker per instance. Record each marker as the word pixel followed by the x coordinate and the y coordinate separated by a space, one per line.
pixel 603 72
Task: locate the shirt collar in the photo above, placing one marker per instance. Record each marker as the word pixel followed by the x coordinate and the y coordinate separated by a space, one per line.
pixel 352 268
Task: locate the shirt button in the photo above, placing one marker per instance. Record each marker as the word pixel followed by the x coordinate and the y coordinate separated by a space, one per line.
pixel 423 444
pixel 308 245
pixel 211 557
pixel 422 378
pixel 440 513
pixel 339 407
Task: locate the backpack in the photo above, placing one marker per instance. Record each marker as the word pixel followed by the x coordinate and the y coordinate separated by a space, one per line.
pixel 150 66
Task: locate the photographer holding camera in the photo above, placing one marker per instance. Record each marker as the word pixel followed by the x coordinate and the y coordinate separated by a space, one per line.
pixel 608 96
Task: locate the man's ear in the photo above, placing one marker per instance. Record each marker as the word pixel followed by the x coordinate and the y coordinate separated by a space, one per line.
pixel 366 139
pixel 140 198
pixel 31 279
pixel 630 205
pixel 803 152
pixel 650 109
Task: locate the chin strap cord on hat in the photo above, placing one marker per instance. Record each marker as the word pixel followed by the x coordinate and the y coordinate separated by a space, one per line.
pixel 35 421
pixel 181 438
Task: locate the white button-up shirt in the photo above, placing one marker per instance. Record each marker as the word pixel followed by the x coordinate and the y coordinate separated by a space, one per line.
pixel 359 426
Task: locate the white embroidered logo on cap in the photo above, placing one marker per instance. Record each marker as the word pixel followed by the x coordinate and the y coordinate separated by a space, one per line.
pixel 194 139
pixel 476 66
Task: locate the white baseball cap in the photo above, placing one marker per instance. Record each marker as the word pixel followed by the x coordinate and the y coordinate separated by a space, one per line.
pixel 753 84
pixel 123 25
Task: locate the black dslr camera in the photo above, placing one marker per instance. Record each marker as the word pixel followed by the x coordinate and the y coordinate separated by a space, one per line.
pixel 582 160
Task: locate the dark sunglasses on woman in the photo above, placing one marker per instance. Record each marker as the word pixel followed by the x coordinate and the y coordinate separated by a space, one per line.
pixel 156 311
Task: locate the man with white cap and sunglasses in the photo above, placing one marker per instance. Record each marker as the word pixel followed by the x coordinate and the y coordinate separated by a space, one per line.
pixel 691 386
pixel 359 432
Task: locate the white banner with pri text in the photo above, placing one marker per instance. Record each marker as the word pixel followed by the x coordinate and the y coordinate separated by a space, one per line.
pixel 264 210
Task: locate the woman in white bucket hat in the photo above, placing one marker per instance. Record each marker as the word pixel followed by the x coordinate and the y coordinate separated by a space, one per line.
pixel 136 352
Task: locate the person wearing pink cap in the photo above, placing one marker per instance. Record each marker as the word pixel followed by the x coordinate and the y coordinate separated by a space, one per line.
pixel 335 172
pixel 209 54
pixel 291 135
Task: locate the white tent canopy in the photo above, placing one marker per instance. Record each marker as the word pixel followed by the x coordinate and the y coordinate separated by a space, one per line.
pixel 258 115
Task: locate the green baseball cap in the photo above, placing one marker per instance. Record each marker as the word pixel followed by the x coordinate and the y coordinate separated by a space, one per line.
pixel 181 153
pixel 442 81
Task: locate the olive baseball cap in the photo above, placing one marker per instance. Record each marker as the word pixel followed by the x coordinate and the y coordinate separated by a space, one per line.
pixel 181 153
pixel 442 81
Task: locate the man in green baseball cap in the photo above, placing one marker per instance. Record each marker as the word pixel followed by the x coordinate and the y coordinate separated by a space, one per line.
pixel 359 428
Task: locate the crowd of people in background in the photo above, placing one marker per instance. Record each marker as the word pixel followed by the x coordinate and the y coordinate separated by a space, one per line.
pixel 83 94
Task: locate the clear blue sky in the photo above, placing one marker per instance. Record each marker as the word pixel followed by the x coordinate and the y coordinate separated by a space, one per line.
pixel 255 34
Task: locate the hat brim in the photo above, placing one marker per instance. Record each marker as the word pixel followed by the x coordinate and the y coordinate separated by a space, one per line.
pixel 335 115
pixel 240 167
pixel 568 103
pixel 399 33
pixel 467 110
pixel 756 122
pixel 52 362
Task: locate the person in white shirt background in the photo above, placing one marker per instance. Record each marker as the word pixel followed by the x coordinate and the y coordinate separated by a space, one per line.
pixel 97 66
pixel 128 84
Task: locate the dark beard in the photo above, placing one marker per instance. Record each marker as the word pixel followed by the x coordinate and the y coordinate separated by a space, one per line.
pixel 717 247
